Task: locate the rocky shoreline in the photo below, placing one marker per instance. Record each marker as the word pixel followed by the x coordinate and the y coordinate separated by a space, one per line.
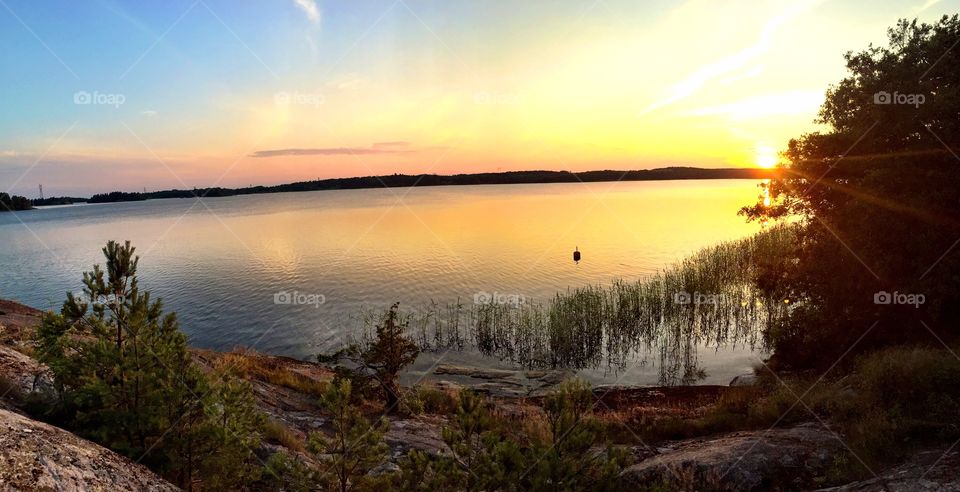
pixel 781 458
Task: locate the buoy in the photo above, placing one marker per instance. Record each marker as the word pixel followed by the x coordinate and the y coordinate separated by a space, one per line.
pixel 576 254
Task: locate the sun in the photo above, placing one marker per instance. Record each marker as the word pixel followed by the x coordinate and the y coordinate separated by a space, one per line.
pixel 766 156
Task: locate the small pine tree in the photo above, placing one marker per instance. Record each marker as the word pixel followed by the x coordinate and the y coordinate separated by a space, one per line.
pixel 568 462
pixel 283 472
pixel 486 458
pixel 356 446
pixel 466 437
pixel 380 359
pixel 482 459
pixel 390 353
pixel 126 380
pixel 236 427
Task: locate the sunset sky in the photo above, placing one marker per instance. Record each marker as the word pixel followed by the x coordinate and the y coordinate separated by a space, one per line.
pixel 104 95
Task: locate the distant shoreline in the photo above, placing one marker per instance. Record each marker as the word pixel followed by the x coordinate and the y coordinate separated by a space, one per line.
pixel 416 180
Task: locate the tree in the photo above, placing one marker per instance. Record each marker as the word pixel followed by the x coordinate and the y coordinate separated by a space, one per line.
pixel 483 458
pixel 236 427
pixel 283 472
pixel 126 380
pixel 878 201
pixel 13 203
pixel 568 463
pixel 356 446
pixel 487 457
pixel 382 358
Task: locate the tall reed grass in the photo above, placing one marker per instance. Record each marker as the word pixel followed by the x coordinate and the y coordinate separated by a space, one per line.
pixel 707 299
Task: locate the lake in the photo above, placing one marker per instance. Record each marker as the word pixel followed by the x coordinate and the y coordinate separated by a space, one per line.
pixel 224 263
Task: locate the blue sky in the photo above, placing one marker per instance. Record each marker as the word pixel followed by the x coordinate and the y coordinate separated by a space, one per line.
pixel 194 90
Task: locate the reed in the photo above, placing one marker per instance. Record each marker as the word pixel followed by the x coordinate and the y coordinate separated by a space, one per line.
pixel 707 299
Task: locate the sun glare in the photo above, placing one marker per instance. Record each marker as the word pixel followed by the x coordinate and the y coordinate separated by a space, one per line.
pixel 766 157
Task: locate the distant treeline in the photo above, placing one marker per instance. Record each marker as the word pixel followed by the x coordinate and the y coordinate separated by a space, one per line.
pixel 11 203
pixel 57 200
pixel 405 180
pixel 120 196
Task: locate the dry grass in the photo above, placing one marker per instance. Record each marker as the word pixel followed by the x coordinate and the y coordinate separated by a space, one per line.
pixel 435 400
pixel 277 432
pixel 271 370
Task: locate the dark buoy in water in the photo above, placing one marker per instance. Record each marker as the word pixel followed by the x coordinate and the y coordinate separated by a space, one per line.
pixel 576 254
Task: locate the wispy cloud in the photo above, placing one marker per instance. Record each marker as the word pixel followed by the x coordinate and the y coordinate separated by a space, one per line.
pixel 310 8
pixel 377 148
pixel 926 5
pixel 786 103
pixel 731 63
pixel 739 77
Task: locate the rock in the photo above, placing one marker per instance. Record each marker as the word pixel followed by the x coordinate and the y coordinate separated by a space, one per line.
pixel 749 379
pixel 37 456
pixel 755 460
pixel 930 470
pixel 473 372
pixel 385 468
pixel 422 434
pixel 24 375
pixel 448 386
pixel 503 382
pixel 18 324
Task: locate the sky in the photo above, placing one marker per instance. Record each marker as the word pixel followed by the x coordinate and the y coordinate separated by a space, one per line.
pixel 105 95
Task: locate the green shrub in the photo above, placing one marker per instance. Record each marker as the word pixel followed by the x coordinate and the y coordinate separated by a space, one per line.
pixel 920 384
pixel 284 472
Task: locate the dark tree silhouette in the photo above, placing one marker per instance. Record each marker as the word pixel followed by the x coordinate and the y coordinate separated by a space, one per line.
pixel 13 203
pixel 878 199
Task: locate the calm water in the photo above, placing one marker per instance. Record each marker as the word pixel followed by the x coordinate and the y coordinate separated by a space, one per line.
pixel 219 263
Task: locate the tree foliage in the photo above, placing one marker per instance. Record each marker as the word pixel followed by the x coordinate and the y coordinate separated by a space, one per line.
pixel 355 448
pixel 381 359
pixel 13 203
pixel 486 457
pixel 878 199
pixel 126 380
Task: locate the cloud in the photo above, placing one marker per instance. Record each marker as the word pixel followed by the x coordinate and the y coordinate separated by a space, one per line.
pixel 310 8
pixel 922 8
pixel 377 148
pixel 730 63
pixel 738 77
pixel 786 103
